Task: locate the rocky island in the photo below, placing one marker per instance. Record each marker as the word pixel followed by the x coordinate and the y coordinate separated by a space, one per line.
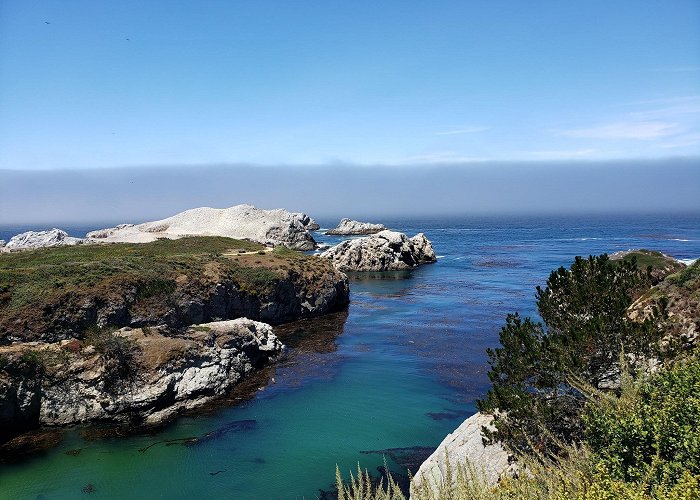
pixel 274 227
pixel 349 227
pixel 384 251
pixel 139 332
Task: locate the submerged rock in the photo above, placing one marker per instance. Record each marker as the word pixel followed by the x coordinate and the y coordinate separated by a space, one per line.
pixel 40 239
pixel 463 446
pixel 348 227
pixel 384 251
pixel 276 227
pixel 136 376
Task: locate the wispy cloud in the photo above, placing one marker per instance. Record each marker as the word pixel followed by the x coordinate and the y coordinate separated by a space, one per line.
pixel 681 141
pixel 667 100
pixel 464 130
pixel 641 130
pixel 560 155
pixel 438 158
pixel 676 69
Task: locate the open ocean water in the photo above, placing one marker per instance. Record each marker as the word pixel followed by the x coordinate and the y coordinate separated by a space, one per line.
pixel 400 370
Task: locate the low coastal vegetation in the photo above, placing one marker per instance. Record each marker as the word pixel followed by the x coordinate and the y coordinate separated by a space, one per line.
pixel 64 291
pixel 600 400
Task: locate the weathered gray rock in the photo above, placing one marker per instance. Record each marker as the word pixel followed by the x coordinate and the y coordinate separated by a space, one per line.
pixel 39 239
pixel 306 221
pixel 463 446
pixel 384 251
pixel 348 227
pixel 2 243
pixel 170 374
pixel 274 227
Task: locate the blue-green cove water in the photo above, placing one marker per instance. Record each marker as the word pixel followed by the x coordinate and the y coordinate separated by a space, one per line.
pixel 401 369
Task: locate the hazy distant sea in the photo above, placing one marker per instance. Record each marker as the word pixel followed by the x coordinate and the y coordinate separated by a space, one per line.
pixel 400 371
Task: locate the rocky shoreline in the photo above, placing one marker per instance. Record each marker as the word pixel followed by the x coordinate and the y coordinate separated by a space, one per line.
pixel 136 333
pixel 141 376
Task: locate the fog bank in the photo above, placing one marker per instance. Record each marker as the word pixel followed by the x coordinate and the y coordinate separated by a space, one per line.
pixel 145 193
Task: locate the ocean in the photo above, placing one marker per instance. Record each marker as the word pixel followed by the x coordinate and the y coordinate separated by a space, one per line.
pixel 388 380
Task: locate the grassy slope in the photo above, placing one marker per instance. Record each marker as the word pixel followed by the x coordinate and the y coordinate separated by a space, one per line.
pixel 31 281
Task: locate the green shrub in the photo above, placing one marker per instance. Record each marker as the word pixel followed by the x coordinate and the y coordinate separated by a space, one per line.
pixel 584 310
pixel 120 354
pixel 651 433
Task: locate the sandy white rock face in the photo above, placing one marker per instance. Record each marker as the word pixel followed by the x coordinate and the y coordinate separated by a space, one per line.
pixel 464 444
pixel 39 239
pixel 384 251
pixel 241 221
pixel 348 227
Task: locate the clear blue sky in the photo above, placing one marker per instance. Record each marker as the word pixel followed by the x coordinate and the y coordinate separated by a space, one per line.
pixel 314 82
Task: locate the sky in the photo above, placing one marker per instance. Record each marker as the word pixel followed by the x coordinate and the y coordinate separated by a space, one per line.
pixel 97 85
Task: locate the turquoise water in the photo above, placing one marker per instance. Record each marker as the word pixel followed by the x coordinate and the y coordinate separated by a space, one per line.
pixel 401 369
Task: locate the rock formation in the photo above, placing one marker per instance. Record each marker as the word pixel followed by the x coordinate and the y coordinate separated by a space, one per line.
pixel 38 239
pixel 306 221
pixel 384 251
pixel 348 227
pixel 274 227
pixel 139 376
pixel 463 446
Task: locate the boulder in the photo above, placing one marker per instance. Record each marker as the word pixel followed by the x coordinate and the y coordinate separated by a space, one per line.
pixel 39 239
pixel 384 251
pixel 349 227
pixel 275 227
pixel 465 447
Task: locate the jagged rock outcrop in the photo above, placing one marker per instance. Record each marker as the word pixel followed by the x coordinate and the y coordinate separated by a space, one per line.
pixel 463 445
pixel 3 243
pixel 306 221
pixel 276 227
pixel 139 376
pixel 39 239
pixel 384 251
pixel 679 296
pixel 349 227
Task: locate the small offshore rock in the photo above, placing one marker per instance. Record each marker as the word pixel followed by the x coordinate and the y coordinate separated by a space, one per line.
pixel 349 227
pixel 40 239
pixel 384 251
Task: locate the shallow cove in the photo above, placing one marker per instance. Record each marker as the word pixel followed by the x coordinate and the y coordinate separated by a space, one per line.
pixel 402 370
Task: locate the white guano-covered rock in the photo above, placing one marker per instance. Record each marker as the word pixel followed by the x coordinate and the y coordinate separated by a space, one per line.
pixel 348 227
pixel 274 227
pixel 40 239
pixel 463 446
pixel 384 251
